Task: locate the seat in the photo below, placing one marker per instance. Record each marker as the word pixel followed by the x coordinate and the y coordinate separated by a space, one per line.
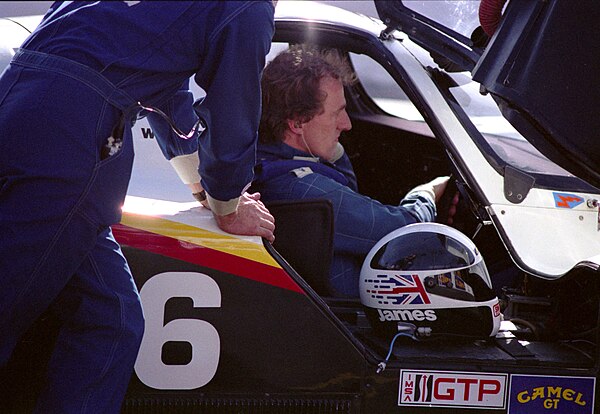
pixel 304 237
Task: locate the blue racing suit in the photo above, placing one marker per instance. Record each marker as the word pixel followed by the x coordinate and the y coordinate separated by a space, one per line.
pixel 285 173
pixel 67 103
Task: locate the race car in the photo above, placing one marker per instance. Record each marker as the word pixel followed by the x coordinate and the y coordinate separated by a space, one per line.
pixel 237 325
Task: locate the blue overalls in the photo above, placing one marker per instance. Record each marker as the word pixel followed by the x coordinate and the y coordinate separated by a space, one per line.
pixel 56 210
pixel 66 110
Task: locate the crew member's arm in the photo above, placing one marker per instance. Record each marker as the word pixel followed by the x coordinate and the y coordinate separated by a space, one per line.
pixel 232 112
pixel 181 153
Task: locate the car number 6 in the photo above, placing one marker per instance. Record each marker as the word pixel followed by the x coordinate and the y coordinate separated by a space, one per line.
pixel 201 335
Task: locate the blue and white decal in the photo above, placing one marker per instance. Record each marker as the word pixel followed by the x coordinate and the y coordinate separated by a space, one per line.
pixel 566 200
pixel 533 394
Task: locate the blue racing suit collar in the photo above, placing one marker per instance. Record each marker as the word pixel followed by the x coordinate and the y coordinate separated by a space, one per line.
pixel 275 160
pixel 281 150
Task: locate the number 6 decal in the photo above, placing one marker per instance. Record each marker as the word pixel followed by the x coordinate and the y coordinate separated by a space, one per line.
pixel 201 335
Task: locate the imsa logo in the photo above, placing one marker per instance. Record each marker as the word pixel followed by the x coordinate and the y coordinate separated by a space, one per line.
pixel 452 389
pixel 407 315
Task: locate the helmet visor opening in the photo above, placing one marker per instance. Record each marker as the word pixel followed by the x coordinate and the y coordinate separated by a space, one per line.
pixel 469 284
pixel 423 251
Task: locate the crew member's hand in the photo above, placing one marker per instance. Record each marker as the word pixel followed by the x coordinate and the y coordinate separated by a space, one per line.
pixel 439 185
pixel 251 218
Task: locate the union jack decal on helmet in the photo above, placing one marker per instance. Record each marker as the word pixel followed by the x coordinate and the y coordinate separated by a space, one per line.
pixel 398 290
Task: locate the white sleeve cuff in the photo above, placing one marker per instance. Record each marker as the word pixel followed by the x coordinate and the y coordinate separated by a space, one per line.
pixel 222 208
pixel 425 189
pixel 186 167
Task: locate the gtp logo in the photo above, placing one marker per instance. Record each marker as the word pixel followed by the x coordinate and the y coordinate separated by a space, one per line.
pixel 452 389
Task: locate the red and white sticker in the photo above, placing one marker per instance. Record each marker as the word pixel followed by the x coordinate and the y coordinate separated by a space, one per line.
pixel 496 310
pixel 452 389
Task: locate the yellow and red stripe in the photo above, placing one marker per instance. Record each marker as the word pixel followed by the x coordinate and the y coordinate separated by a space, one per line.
pixel 199 246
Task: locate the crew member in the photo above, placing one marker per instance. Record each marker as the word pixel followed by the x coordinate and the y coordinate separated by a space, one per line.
pixel 68 101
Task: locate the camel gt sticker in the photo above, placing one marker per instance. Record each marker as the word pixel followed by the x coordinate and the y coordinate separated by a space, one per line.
pixel 452 389
pixel 530 394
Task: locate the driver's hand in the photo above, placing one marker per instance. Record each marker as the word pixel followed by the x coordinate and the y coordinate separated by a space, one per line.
pixel 251 218
pixel 439 185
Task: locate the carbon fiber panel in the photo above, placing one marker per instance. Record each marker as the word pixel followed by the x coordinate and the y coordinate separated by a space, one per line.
pixel 225 405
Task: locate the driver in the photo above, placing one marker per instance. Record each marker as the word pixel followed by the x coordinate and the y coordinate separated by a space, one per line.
pixel 299 157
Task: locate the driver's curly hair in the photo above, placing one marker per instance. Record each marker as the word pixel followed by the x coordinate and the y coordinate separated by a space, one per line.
pixel 290 87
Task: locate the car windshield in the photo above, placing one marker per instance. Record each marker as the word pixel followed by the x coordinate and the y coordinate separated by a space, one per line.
pixel 459 15
pixel 505 141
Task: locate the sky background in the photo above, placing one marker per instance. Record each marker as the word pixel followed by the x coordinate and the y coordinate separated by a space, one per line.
pixel 457 14
pixel 26 8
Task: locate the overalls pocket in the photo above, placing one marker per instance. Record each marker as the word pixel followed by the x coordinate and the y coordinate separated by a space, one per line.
pixel 108 185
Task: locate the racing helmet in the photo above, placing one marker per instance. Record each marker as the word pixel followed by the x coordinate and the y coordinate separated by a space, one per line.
pixel 431 276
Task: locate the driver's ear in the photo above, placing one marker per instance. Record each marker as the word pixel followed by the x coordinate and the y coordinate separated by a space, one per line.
pixel 295 126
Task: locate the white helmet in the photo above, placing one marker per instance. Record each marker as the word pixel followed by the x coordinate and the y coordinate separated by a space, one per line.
pixel 433 277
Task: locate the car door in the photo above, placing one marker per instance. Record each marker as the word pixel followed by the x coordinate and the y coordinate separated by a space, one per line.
pixel 521 190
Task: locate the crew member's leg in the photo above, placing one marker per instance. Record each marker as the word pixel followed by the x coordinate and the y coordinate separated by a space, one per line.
pixel 97 346
pixel 46 164
pixel 54 192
